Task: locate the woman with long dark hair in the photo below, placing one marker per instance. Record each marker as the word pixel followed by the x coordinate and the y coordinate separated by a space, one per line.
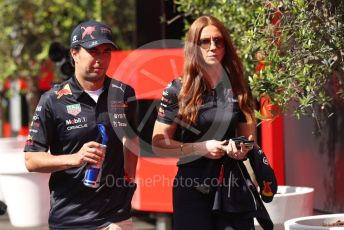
pixel 198 116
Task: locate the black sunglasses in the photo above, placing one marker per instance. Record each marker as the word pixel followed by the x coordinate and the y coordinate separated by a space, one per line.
pixel 205 43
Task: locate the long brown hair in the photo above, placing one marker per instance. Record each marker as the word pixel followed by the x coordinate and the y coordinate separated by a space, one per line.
pixel 194 85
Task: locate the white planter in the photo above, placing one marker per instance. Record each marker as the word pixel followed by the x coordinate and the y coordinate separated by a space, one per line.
pixel 290 202
pixel 314 222
pixel 25 194
pixel 1 194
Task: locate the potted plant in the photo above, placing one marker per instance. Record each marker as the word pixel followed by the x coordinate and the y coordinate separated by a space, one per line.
pixel 25 194
pixel 320 222
pixel 290 202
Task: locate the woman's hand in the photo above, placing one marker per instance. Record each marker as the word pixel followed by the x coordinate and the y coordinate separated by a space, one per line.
pixel 235 153
pixel 211 149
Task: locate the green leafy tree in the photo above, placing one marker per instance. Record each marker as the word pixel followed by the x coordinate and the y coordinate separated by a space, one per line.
pixel 29 27
pixel 299 44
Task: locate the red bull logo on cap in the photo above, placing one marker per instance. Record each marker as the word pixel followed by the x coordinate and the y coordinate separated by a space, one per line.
pixel 88 31
pixel 64 92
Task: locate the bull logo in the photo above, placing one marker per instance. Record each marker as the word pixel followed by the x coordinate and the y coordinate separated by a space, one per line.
pixel 267 189
pixel 88 31
pixel 64 92
pixel 29 140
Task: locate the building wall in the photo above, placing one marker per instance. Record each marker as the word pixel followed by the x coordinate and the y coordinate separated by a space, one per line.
pixel 316 159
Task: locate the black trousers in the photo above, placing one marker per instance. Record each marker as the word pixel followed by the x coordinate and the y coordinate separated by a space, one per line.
pixel 193 210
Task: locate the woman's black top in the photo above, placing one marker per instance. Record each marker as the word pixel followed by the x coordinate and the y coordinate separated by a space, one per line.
pixel 217 119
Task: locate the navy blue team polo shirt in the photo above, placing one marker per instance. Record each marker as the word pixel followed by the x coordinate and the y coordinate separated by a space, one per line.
pixel 65 119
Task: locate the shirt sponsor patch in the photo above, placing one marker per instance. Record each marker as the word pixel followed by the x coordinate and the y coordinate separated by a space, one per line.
pixel 76 123
pixel 118 104
pixel 165 93
pixel 76 120
pixel 29 140
pixel 119 116
pixel 33 131
pixel 119 124
pixel 118 87
pixel 35 124
pixel 39 108
pixel 64 92
pixel 80 126
pixel 35 117
pixel 164 99
pixel 74 109
pixel 161 112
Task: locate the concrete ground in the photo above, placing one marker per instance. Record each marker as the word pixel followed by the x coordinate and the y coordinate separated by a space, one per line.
pixel 141 222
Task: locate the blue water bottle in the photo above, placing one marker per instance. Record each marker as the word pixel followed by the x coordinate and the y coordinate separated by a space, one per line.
pixel 94 172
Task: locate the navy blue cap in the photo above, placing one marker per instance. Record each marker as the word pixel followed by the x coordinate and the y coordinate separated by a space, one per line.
pixel 90 34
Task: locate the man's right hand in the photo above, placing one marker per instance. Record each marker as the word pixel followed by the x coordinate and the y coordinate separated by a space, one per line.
pixel 90 152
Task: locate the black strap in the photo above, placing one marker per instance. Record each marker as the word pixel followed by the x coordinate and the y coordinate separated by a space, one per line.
pixel 3 208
